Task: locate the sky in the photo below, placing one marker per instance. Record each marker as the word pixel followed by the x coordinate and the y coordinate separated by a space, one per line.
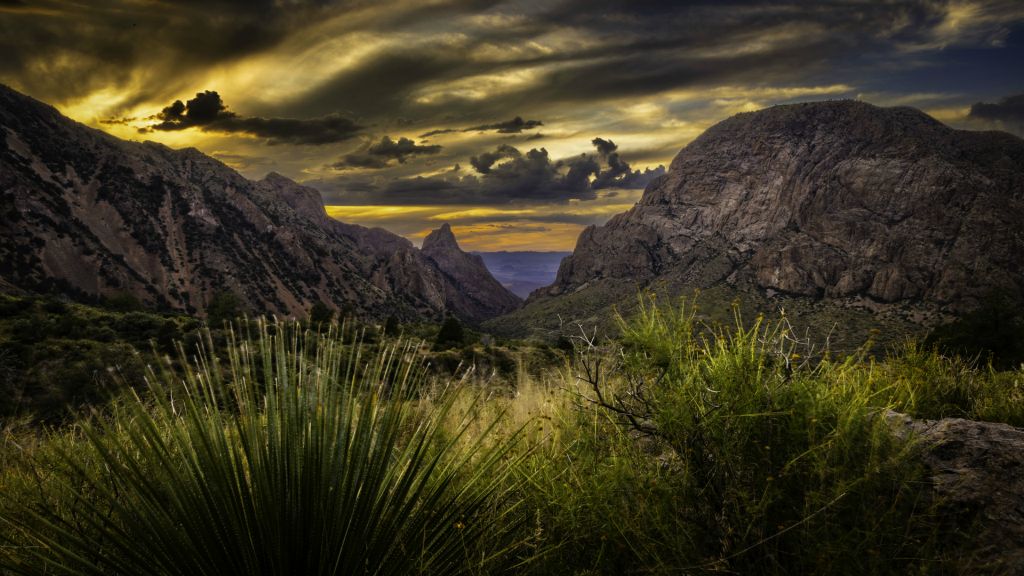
pixel 519 122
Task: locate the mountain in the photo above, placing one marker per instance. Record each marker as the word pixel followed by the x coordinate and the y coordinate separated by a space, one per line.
pixel 479 293
pixel 523 272
pixel 90 215
pixel 840 211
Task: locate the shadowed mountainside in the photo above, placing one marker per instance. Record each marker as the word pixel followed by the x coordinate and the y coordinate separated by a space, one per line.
pixel 838 211
pixel 89 215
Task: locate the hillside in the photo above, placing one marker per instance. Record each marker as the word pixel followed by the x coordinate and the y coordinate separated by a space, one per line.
pixel 839 212
pixel 89 215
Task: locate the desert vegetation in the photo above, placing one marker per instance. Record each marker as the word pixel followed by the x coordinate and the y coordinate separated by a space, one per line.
pixel 677 447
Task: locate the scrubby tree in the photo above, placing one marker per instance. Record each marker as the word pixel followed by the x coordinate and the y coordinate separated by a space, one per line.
pixel 391 326
pixel 994 332
pixel 450 335
pixel 320 314
pixel 224 307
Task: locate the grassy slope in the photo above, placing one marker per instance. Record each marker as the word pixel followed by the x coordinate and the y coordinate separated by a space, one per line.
pixel 750 458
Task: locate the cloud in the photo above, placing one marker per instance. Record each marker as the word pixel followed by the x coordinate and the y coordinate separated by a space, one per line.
pixel 62 51
pixel 1007 113
pixel 206 108
pixel 207 112
pixel 482 162
pixel 380 154
pixel 503 175
pixel 618 173
pixel 513 126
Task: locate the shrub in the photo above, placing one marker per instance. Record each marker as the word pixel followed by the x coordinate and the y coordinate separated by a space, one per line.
pixel 224 307
pixel 450 335
pixel 735 453
pixel 320 314
pixel 929 384
pixel 993 333
pixel 295 457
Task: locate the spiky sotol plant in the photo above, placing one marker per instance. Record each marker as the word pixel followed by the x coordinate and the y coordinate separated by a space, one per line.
pixel 290 453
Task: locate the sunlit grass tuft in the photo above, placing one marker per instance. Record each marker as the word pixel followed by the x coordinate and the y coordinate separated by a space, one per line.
pixel 289 454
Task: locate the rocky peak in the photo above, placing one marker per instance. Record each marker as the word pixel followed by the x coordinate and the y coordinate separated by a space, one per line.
pixel 442 239
pixel 90 215
pixel 837 202
pixel 304 200
pixel 831 199
pixel 468 270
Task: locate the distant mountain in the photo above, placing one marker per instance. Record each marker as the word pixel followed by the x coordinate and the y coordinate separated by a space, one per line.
pixel 523 272
pixel 840 212
pixel 90 215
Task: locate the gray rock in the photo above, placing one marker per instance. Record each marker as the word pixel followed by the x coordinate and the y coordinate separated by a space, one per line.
pixel 89 215
pixel 479 294
pixel 977 474
pixel 840 202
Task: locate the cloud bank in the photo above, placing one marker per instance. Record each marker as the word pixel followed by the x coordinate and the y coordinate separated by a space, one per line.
pixel 207 112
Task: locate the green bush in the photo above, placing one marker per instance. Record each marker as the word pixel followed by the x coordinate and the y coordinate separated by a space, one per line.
pixel 289 454
pixel 711 450
pixel 320 314
pixel 225 307
pixel 993 334
pixel 931 385
pixel 451 334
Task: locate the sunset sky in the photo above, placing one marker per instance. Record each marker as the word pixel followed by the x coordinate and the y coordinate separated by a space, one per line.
pixel 519 122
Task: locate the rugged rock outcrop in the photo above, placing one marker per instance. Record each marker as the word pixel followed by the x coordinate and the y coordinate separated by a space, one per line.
pixel 828 199
pixel 480 293
pixel 839 201
pixel 90 215
pixel 977 473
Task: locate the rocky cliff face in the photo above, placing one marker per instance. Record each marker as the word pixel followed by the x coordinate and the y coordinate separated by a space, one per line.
pixel 87 214
pixel 481 292
pixel 832 201
pixel 976 471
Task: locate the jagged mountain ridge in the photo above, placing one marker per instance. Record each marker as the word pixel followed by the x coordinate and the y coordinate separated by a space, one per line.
pixel 838 202
pixel 88 214
pixel 480 289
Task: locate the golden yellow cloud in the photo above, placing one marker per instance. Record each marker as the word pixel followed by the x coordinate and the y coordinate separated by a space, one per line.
pixel 488 229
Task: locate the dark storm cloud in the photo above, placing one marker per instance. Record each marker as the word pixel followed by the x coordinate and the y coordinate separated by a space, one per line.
pixel 58 50
pixel 604 147
pixel 207 112
pixel 482 162
pixel 1008 113
pixel 513 126
pixel 642 48
pixel 501 176
pixel 614 48
pixel 618 173
pixel 380 154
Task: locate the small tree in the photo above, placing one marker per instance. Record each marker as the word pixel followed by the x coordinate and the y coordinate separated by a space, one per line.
pixel 224 307
pixel 320 314
pixel 391 326
pixel 450 335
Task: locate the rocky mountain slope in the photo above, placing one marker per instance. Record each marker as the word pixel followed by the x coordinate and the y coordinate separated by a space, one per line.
pixel 839 205
pixel 91 215
pixel 479 292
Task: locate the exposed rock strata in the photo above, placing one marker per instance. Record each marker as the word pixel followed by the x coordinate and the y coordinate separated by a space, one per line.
pixel 828 199
pixel 977 473
pixel 838 202
pixel 90 215
pixel 479 292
